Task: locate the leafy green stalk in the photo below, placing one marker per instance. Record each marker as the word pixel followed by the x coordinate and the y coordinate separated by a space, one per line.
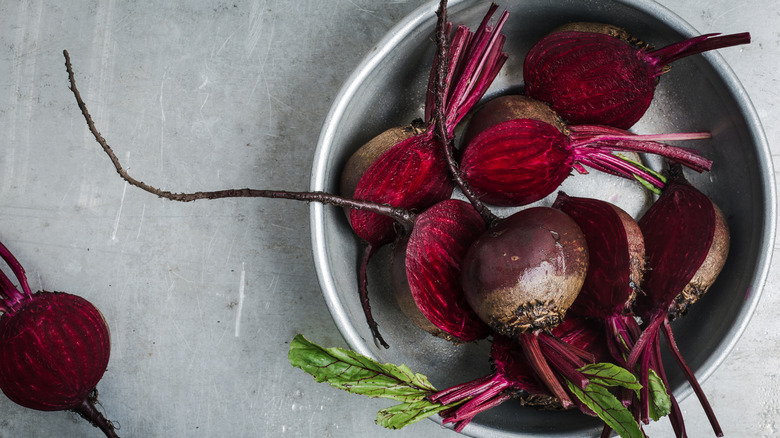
pixel 660 401
pixel 355 373
pixel 358 374
pixel 608 408
pixel 603 403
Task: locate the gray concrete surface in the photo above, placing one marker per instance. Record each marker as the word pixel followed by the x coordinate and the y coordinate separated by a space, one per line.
pixel 203 298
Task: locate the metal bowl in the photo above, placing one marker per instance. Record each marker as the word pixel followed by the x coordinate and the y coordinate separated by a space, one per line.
pixel 700 93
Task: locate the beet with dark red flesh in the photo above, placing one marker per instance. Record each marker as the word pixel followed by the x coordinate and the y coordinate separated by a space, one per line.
pixel 617 253
pixel 518 150
pixel 54 348
pixel 687 242
pixel 595 74
pixel 406 166
pixel 615 268
pixel 426 268
pixel 522 275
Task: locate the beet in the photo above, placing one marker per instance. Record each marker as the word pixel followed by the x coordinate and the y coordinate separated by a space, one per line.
pixel 54 348
pixel 597 74
pixel 426 269
pixel 687 241
pixel 518 151
pixel 617 256
pixel 615 269
pixel 522 275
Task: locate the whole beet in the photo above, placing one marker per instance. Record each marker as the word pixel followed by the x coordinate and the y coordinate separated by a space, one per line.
pixel 520 277
pixel 523 274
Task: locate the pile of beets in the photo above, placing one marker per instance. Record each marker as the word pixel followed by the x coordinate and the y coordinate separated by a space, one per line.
pixel 556 288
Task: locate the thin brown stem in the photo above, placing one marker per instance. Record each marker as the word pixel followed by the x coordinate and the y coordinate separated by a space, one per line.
pixel 89 412
pixel 402 216
pixel 365 256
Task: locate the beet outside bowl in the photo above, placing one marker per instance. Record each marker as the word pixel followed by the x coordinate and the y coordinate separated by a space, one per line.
pixel 700 93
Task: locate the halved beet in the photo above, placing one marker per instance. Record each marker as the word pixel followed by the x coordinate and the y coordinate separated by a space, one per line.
pixel 687 242
pixel 518 150
pixel 426 271
pixel 592 73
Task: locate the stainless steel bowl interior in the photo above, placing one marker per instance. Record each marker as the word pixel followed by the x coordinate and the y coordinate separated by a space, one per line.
pixel 700 93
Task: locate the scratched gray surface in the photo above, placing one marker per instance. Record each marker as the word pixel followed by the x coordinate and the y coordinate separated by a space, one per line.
pixel 203 298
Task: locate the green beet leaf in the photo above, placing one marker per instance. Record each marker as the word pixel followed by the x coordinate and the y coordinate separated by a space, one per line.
pixel 660 402
pixel 610 375
pixel 404 414
pixel 608 408
pixel 355 373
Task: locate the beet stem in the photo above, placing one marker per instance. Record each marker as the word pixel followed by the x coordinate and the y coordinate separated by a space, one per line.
pixel 648 144
pixel 89 412
pixel 462 420
pixel 474 406
pixel 566 364
pixel 462 391
pixel 675 416
pixel 402 216
pixel 13 293
pixel 365 257
pixel 576 355
pixel 536 359
pixel 645 341
pixel 610 163
pixel 12 296
pixel 672 344
pixel 692 46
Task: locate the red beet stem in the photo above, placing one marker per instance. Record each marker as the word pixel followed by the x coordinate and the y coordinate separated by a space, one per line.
pixel 12 293
pixel 675 416
pixel 622 333
pixel 473 61
pixel 491 403
pixel 666 55
pixel 667 331
pixel 481 399
pixel 572 353
pixel 646 144
pixel 484 59
pixel 615 165
pixel 538 361
pixel 462 391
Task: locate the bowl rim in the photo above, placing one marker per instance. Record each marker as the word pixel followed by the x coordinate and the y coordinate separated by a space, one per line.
pixel 426 14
